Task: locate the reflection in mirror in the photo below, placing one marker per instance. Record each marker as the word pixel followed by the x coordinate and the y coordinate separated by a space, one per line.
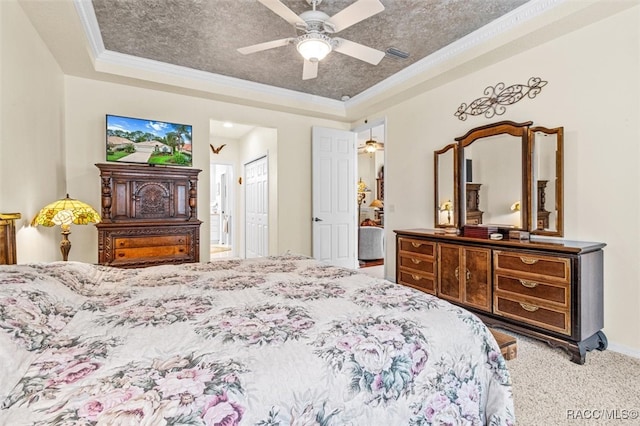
pixel 446 191
pixel 546 200
pixel 495 194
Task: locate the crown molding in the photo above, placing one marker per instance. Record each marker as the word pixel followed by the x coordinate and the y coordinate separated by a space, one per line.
pixel 499 26
pixel 122 64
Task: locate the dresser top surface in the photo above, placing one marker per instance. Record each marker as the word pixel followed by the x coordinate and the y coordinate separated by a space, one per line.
pixel 535 243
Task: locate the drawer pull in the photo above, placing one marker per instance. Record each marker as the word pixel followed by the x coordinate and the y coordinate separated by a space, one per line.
pixel 415 277
pixel 416 245
pixel 457 274
pixel 416 261
pixel 529 308
pixel 528 260
pixel 529 284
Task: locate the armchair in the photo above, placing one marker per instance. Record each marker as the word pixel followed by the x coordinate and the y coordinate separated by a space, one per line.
pixel 370 243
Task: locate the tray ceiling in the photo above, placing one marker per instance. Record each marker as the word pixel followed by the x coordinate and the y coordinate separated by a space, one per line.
pixel 204 35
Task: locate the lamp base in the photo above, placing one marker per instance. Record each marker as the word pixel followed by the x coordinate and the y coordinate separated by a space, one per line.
pixel 65 245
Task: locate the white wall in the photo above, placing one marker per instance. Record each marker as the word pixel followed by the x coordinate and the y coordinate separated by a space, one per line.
pixel 593 91
pixel 32 133
pixel 88 101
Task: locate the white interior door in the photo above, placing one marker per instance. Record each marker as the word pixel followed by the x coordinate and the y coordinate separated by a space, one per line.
pixel 225 223
pixel 256 208
pixel 334 196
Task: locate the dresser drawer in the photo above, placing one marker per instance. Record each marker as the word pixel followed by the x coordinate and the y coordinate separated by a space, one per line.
pixel 151 241
pixel 556 293
pixel 534 266
pixel 426 248
pixel 417 263
pixel 426 283
pixel 532 313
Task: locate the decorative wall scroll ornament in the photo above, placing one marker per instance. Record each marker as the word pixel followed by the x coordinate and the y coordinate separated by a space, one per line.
pixel 498 96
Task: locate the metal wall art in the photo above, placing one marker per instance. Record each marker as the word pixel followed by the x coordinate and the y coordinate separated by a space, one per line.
pixel 498 96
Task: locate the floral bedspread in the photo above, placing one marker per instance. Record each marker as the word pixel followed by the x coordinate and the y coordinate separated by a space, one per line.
pixel 271 342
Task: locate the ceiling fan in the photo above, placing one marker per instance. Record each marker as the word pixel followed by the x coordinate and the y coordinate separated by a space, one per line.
pixel 370 146
pixel 314 42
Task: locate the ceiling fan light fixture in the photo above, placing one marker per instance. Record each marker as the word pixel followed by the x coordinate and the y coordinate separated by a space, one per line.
pixel 370 146
pixel 314 46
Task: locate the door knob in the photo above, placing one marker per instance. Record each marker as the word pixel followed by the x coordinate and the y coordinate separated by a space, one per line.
pixel 317 219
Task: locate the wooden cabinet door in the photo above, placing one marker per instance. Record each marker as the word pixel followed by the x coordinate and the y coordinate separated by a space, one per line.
pixel 476 279
pixel 449 265
pixel 464 275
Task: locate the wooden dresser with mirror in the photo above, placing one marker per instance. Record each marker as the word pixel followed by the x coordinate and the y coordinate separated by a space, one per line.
pixel 541 286
pixel 149 215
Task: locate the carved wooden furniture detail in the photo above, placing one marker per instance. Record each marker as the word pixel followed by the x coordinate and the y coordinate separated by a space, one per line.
pixel 542 218
pixel 8 238
pixel 551 290
pixel 380 188
pixel 149 215
pixel 474 214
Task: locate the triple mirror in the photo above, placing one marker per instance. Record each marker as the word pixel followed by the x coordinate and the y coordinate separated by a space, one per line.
pixel 504 174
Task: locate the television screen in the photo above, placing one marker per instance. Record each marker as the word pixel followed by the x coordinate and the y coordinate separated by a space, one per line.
pixel 134 140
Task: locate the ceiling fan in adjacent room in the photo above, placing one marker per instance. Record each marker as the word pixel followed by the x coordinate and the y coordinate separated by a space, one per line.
pixel 314 42
pixel 370 146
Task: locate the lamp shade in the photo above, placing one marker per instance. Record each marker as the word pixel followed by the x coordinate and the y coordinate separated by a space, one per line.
pixel 314 46
pixel 65 212
pixel 446 206
pixel 362 187
pixel 377 204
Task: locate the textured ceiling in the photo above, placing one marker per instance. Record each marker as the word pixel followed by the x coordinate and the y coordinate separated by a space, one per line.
pixel 204 35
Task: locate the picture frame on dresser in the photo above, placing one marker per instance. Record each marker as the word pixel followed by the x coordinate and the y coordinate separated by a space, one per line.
pixel 149 215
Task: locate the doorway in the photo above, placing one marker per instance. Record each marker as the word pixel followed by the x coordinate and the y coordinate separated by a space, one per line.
pixel 221 212
pixel 234 145
pixel 370 200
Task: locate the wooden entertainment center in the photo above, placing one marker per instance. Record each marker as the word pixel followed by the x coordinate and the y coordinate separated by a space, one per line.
pixel 149 215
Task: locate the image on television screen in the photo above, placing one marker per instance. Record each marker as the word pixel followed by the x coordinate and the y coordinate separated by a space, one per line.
pixel 135 140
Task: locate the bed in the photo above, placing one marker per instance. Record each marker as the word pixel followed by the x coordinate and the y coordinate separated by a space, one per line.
pixel 272 341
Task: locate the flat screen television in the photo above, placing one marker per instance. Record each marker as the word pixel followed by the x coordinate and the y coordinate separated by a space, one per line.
pixel 135 140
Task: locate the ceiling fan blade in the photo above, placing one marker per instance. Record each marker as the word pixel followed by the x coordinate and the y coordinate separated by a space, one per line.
pixel 356 12
pixel 283 11
pixel 264 46
pixel 358 51
pixel 309 70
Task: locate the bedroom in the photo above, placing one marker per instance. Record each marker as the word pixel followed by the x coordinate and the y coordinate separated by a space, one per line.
pixel 52 120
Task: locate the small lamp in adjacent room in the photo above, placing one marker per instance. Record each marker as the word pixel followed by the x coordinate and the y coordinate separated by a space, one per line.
pixel 65 212
pixel 377 205
pixel 447 206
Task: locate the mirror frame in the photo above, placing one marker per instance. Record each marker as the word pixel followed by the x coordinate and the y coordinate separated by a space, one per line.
pixel 520 130
pixel 559 184
pixel 454 167
pixel 526 133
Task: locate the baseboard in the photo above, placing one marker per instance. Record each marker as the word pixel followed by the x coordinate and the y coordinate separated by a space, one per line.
pixel 625 350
